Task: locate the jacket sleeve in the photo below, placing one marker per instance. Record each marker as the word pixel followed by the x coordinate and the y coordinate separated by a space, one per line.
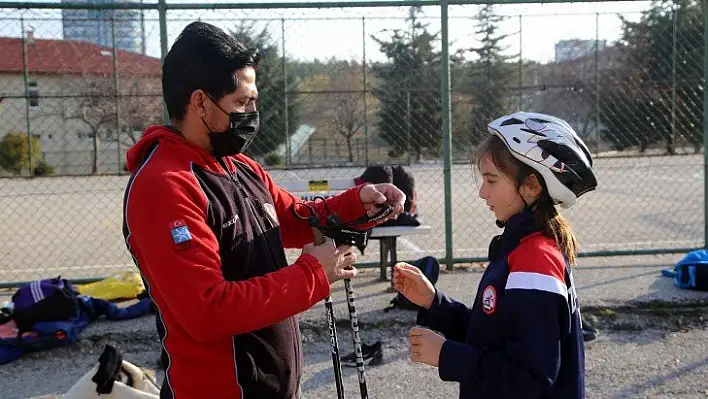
pixel 536 307
pixel 183 268
pixel 446 316
pixel 296 232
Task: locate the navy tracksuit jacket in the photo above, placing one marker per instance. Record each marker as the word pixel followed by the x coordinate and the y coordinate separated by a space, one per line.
pixel 523 337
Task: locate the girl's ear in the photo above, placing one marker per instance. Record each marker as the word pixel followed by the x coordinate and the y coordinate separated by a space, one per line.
pixel 531 188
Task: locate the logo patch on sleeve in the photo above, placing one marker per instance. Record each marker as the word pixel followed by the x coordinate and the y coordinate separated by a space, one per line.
pixel 489 299
pixel 180 232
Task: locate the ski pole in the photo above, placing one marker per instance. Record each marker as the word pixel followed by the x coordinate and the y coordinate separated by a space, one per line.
pixel 329 311
pixel 355 337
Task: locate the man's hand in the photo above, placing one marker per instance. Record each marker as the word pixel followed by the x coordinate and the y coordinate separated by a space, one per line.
pixel 382 193
pixel 425 345
pixel 337 262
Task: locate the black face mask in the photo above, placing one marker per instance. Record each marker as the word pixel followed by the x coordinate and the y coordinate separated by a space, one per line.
pixel 243 127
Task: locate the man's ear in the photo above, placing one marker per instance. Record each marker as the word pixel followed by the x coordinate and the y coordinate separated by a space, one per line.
pixel 197 100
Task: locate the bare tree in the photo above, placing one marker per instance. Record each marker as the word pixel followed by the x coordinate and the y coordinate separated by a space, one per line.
pixel 109 115
pixel 349 99
pixel 567 88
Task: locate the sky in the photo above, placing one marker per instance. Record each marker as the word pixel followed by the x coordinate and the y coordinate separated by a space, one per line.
pixel 340 33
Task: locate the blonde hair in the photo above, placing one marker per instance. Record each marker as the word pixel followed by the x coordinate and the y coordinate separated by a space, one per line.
pixel 545 214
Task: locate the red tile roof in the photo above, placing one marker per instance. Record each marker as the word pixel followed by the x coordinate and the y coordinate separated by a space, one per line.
pixel 68 56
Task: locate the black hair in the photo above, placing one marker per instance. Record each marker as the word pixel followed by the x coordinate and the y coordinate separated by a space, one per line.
pixel 377 174
pixel 405 181
pixel 203 57
pixel 395 174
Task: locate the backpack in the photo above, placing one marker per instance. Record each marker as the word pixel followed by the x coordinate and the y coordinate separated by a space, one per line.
pixel 45 300
pixel 430 267
pixel 691 272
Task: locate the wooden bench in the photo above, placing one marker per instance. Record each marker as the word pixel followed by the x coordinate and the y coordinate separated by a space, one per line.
pixel 386 235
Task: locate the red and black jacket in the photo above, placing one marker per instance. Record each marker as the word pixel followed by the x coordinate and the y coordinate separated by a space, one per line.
pixel 209 243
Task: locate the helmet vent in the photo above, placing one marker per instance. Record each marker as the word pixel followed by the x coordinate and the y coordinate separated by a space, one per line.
pixel 512 121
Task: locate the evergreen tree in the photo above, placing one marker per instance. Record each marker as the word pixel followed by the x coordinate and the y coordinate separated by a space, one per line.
pixel 489 75
pixel 638 105
pixel 408 89
pixel 271 81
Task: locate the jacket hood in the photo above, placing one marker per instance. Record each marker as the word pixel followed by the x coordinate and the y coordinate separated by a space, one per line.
pixel 169 136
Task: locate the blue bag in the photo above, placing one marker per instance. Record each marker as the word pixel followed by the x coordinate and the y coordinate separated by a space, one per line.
pixel 691 272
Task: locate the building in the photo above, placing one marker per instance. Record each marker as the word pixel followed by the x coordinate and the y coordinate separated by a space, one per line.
pixel 84 125
pixel 567 50
pixel 568 90
pixel 97 26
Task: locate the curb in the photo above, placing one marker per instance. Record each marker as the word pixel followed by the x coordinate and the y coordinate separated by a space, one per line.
pixel 142 329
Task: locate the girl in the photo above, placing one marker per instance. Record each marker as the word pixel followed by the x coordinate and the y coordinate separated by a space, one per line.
pixel 522 338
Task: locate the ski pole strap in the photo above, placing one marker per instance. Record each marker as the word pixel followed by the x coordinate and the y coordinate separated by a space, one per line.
pixel 341 233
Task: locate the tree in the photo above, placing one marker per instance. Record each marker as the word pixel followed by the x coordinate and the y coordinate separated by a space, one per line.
pixel 489 75
pixel 271 81
pixel 349 103
pixel 14 154
pixel 97 106
pixel 408 89
pixel 655 97
pixel 566 88
pixel 336 104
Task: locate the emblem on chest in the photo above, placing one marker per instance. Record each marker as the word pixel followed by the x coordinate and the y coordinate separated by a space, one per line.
pixel 489 299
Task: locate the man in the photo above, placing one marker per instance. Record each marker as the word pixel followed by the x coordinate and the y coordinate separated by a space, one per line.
pixel 207 228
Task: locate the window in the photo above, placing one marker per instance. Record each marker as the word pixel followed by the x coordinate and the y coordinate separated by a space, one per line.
pixel 33 94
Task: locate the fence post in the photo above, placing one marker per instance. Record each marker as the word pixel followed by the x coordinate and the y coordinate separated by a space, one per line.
pixel 705 127
pixel 25 70
pixel 366 92
pixel 116 95
pixel 288 155
pixel 596 133
pixel 521 64
pixel 446 127
pixel 162 11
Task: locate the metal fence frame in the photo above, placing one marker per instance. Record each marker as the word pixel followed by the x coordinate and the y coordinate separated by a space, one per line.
pixel 161 6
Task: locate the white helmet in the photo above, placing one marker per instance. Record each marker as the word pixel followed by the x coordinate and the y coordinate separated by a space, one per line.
pixel 550 146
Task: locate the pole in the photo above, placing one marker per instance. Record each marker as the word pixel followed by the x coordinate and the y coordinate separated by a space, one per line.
pixel 162 11
pixel 596 133
pixel 366 92
pixel 115 87
pixel 705 126
pixel 288 156
pixel 408 125
pixel 671 144
pixel 142 30
pixel 25 69
pixel 521 65
pixel 446 128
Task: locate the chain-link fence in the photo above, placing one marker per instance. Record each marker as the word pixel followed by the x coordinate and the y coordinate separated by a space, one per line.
pixel 342 88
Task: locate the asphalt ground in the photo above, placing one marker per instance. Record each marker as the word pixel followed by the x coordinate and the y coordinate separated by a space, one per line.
pixel 73 225
pixel 653 339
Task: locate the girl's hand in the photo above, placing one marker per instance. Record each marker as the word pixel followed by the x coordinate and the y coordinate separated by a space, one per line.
pixel 412 283
pixel 425 345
